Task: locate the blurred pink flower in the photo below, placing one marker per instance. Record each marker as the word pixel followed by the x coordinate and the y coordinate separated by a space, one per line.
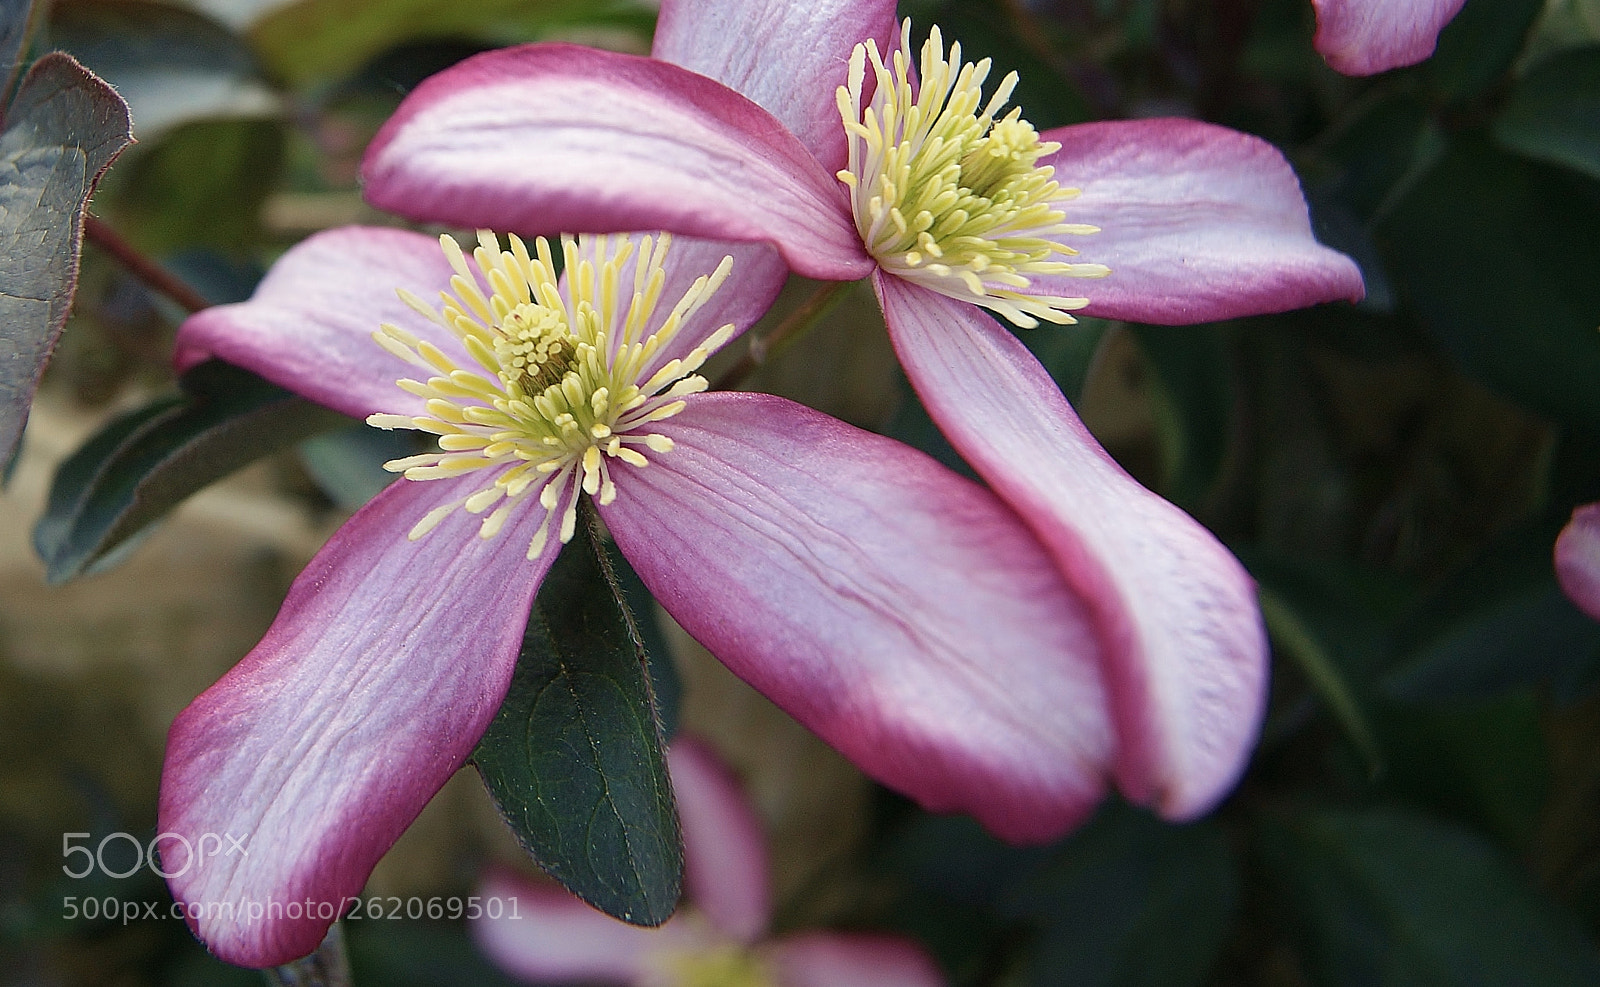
pixel 1362 37
pixel 814 128
pixel 719 935
pixel 1578 559
pixel 903 612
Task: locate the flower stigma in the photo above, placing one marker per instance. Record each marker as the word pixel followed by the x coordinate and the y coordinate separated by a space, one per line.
pixel 949 197
pixel 567 382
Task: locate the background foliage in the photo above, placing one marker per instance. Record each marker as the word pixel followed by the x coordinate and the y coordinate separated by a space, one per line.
pixel 1424 807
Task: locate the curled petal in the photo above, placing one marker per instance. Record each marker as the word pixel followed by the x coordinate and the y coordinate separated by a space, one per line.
pixel 725 852
pixel 1184 649
pixel 549 138
pixel 1197 223
pixel 1578 559
pixel 900 611
pixel 289 778
pixel 831 959
pixel 1361 37
pixel 542 934
pixel 309 325
pixel 788 57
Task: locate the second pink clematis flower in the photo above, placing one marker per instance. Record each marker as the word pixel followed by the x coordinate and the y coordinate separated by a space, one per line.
pixel 817 129
pixel 720 936
pixel 1577 559
pixel 903 612
pixel 1363 37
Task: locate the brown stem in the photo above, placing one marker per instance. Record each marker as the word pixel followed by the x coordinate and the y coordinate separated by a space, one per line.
pixel 761 347
pixel 152 274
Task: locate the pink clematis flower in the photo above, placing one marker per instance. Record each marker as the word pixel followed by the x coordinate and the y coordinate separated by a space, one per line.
pixel 784 123
pixel 903 612
pixel 1578 559
pixel 544 935
pixel 1362 37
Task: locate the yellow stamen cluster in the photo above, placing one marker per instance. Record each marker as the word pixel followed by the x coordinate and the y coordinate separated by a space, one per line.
pixel 946 195
pixel 566 379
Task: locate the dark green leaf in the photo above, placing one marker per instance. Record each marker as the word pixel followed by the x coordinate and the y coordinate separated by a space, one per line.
pixel 1131 902
pixel 1479 45
pixel 16 20
pixel 1553 113
pixel 348 464
pixel 1498 255
pixel 171 65
pixel 1298 638
pixel 200 185
pixel 144 464
pixel 61 133
pixel 573 758
pixel 1193 405
pixel 1485 763
pixel 1499 624
pixel 327 39
pixel 989 29
pixel 1390 898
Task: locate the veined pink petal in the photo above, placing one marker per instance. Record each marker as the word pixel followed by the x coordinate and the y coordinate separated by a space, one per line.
pixel 724 847
pixel 832 959
pixel 758 275
pixel 900 611
pixel 1578 559
pixel 1185 653
pixel 1198 223
pixel 788 57
pixel 316 751
pixel 554 137
pixel 309 325
pixel 542 934
pixel 1360 37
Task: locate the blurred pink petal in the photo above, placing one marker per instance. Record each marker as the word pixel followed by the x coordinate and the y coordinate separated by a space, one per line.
pixel 833 959
pixel 1185 657
pixel 321 746
pixel 898 610
pixel 725 850
pixel 1362 37
pixel 1578 559
pixel 542 934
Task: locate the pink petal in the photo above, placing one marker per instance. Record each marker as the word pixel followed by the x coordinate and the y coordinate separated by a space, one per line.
pixel 316 751
pixel 725 849
pixel 542 934
pixel 758 275
pixel 1360 37
pixel 1186 655
pixel 1198 223
pixel 547 138
pixel 788 57
pixel 309 325
pixel 831 959
pixel 1578 559
pixel 895 608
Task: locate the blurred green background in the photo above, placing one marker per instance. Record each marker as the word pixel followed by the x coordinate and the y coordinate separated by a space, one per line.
pixel 1424 806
